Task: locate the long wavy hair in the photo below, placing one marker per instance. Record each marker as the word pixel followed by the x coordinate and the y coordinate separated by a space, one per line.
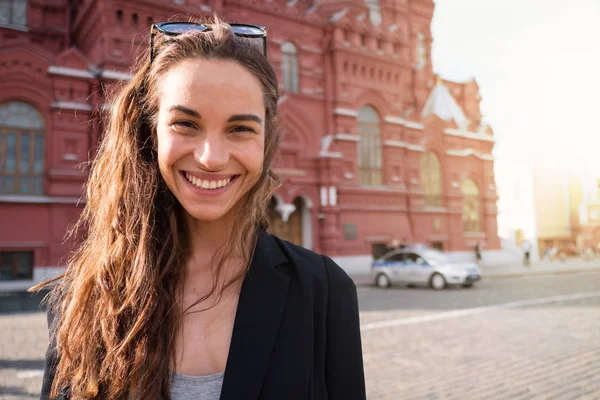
pixel 117 305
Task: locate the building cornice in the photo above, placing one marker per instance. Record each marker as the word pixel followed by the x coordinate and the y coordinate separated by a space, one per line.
pixel 9 198
pixel 470 135
pixel 15 27
pixel 347 137
pixel 116 75
pixel 289 171
pixel 405 145
pixel 393 60
pixel 91 73
pixel 345 111
pixel 72 105
pixel 71 72
pixel 401 121
pixel 330 154
pixel 470 152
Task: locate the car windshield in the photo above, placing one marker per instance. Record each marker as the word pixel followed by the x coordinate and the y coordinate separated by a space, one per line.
pixel 434 257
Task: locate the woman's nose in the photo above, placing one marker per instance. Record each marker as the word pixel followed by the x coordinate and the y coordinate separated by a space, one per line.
pixel 212 153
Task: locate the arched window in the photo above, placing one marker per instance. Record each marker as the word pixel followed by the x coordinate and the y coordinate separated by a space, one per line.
pixel 421 51
pixel 471 210
pixel 369 147
pixel 289 67
pixel 21 149
pixel 431 178
pixel 13 12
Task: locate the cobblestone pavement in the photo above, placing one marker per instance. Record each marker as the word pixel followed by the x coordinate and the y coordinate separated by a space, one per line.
pixel 516 340
pixel 503 339
pixel 23 341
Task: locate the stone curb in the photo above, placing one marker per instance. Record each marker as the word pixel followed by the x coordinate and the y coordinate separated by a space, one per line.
pixel 539 272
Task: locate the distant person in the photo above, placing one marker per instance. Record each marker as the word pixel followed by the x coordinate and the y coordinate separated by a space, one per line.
pixel 403 244
pixel 478 253
pixel 526 246
pixel 178 291
pixel 553 253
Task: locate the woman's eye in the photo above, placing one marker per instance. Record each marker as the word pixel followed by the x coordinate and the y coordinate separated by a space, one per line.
pixel 243 129
pixel 183 126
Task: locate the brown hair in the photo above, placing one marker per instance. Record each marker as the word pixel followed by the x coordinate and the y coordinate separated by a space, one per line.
pixel 117 303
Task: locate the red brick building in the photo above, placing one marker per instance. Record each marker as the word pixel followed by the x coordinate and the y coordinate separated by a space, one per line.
pixel 376 149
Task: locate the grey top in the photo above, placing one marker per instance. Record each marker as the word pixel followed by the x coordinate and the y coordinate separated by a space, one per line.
pixel 186 387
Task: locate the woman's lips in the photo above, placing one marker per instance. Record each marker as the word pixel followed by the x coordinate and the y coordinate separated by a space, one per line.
pixel 209 186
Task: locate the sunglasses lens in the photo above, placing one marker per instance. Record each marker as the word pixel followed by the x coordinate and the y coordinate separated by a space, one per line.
pixel 177 28
pixel 247 30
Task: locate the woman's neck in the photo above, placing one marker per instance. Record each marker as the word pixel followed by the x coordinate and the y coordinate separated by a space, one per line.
pixel 206 238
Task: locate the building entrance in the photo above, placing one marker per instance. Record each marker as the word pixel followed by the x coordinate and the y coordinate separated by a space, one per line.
pixel 290 230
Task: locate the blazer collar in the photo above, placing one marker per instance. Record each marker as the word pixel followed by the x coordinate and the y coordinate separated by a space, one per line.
pixel 259 312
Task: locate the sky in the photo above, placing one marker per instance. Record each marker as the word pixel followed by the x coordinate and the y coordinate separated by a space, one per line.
pixel 537 63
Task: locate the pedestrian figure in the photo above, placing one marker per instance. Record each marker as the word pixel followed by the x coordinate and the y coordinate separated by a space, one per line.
pixel 526 253
pixel 177 291
pixel 403 244
pixel 478 253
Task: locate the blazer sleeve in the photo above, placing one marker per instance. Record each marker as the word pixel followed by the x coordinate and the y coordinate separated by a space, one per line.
pixel 51 359
pixel 344 371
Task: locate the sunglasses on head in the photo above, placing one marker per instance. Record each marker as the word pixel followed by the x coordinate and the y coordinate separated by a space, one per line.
pixel 254 32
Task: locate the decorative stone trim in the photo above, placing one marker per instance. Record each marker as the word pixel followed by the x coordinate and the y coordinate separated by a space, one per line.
pixel 401 121
pixel 330 154
pixel 347 137
pixel 72 105
pixel 345 111
pixel 116 75
pixel 72 72
pixel 289 171
pixel 469 152
pixel 16 27
pixel 400 143
pixel 470 135
pixel 312 49
pixel 414 125
pixel 41 199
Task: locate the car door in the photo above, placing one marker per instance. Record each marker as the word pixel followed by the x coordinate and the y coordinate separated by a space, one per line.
pixel 418 270
pixel 397 266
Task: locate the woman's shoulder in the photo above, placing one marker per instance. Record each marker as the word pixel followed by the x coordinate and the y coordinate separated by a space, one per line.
pixel 311 264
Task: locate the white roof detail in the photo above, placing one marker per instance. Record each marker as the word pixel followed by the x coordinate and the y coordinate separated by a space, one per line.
pixel 338 15
pixel 442 104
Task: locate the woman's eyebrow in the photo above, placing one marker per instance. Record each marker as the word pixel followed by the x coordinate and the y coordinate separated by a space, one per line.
pixel 185 110
pixel 245 117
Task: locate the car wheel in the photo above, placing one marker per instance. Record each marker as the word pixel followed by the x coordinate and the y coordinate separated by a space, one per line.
pixel 382 281
pixel 467 285
pixel 437 281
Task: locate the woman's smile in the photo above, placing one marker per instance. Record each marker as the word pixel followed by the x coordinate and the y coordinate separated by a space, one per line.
pixel 209 185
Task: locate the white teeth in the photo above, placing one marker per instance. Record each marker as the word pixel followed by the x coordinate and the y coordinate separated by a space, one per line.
pixel 206 184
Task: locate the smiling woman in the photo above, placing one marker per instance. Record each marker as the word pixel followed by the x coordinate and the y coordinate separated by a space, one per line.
pixel 206 141
pixel 177 290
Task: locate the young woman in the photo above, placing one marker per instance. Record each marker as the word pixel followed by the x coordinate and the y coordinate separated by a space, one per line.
pixel 177 291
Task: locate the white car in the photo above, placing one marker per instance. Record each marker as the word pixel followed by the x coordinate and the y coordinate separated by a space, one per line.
pixel 421 266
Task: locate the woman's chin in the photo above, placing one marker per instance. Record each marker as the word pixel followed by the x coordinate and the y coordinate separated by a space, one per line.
pixel 207 215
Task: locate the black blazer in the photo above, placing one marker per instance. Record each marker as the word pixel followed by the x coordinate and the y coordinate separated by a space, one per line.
pixel 296 333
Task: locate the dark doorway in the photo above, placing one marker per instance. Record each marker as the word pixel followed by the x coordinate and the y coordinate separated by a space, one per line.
pixel 378 249
pixel 438 245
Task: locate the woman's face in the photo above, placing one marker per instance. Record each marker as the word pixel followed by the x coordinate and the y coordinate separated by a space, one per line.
pixel 211 135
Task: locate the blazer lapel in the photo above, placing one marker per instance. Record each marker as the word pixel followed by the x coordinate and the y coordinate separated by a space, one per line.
pixel 260 308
